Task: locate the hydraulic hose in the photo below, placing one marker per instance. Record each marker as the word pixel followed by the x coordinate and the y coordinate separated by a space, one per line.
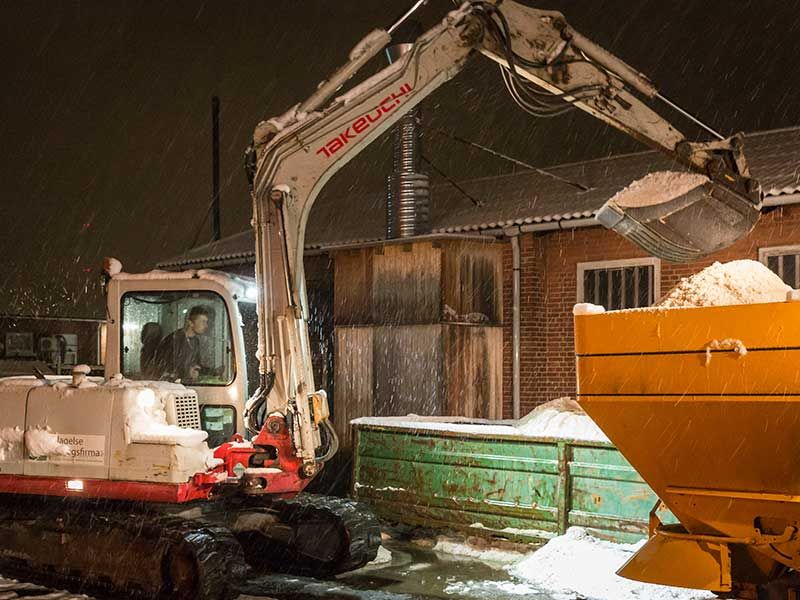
pixel 255 410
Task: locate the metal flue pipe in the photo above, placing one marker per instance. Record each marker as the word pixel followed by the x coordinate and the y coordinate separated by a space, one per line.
pixel 407 190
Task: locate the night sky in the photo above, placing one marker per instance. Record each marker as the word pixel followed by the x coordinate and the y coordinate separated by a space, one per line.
pixel 106 128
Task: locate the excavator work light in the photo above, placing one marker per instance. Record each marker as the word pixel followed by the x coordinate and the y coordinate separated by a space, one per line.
pixel 75 485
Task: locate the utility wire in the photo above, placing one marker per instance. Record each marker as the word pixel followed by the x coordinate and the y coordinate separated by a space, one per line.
pixel 511 159
pixel 202 224
pixel 441 173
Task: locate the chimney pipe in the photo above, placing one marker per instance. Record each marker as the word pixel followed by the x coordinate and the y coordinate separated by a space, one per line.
pixel 407 190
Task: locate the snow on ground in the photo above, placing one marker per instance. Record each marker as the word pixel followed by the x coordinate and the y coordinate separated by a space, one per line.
pixel 387 488
pixel 578 564
pixel 656 188
pixel 13 589
pixel 461 549
pixel 735 282
pixel 574 565
pixel 532 533
pixel 384 556
pixel 562 418
pixel 490 589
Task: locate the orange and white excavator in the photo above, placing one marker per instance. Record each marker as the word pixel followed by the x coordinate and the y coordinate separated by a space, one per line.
pixel 113 482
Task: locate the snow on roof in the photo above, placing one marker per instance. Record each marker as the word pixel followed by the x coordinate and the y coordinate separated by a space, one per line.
pixel 514 199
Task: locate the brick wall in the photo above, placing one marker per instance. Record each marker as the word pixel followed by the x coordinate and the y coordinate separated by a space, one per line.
pixel 549 263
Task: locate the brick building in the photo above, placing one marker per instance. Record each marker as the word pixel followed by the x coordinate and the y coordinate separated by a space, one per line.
pixel 564 255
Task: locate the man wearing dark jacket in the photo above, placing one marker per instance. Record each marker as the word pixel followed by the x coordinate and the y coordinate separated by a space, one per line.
pixel 180 354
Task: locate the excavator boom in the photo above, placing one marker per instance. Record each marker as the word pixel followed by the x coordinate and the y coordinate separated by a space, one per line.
pixel 548 68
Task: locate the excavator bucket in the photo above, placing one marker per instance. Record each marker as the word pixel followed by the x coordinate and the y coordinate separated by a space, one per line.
pixel 679 224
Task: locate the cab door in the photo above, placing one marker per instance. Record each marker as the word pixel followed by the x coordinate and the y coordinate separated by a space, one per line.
pixel 186 336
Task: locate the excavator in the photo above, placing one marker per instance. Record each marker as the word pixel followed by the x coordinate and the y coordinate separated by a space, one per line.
pixel 113 483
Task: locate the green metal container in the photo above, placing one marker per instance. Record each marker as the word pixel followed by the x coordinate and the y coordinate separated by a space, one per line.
pixel 522 488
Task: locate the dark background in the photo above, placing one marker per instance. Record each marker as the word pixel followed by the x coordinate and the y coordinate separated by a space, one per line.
pixel 106 123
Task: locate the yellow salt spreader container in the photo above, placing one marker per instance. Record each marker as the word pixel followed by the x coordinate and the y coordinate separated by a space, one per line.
pixel 705 404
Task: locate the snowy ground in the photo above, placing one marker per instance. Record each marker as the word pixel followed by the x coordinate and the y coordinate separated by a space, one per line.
pixel 11 589
pixel 575 566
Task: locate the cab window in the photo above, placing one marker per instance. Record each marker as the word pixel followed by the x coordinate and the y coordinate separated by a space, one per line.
pixel 177 336
pixel 219 422
pixel 249 315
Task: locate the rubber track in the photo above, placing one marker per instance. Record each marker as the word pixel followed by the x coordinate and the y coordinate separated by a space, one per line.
pixel 361 527
pixel 219 556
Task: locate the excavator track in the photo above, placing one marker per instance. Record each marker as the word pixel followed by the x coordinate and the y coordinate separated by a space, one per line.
pixel 198 552
pixel 118 550
pixel 322 536
pixel 362 529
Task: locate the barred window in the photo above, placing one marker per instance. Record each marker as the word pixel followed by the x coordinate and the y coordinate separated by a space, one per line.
pixel 619 284
pixel 783 261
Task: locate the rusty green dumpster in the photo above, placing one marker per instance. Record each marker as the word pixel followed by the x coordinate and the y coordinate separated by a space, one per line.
pixel 486 478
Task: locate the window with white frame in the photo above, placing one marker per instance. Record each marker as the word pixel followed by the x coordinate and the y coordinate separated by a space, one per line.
pixel 618 284
pixel 784 261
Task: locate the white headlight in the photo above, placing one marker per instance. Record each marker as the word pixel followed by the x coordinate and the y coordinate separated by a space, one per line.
pixel 75 485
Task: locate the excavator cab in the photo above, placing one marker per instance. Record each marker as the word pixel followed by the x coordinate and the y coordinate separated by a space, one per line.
pixel 195 328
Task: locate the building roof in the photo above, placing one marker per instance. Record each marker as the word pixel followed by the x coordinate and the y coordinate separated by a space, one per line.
pixel 514 199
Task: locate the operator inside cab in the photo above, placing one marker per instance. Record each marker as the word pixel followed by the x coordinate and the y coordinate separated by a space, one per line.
pixel 183 354
pixel 170 335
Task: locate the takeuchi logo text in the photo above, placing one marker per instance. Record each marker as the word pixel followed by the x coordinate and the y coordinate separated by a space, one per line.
pixel 364 122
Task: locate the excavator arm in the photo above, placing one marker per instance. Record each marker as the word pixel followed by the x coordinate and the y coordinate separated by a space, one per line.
pixel 548 67
pixel 540 48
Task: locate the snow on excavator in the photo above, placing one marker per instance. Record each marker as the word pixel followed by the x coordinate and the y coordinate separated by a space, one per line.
pixel 114 482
